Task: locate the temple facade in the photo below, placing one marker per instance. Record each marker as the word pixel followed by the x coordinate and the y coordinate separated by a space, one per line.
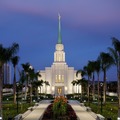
pixel 59 75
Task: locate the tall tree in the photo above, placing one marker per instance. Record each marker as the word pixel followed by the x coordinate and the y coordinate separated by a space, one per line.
pixel 26 69
pixel 32 76
pixel 78 82
pixel 22 80
pixel 35 83
pixel 115 52
pixel 83 83
pixel 98 69
pixel 40 84
pixel 88 71
pixel 106 62
pixel 15 61
pixel 5 56
pixel 74 83
pixel 46 84
pixel 92 69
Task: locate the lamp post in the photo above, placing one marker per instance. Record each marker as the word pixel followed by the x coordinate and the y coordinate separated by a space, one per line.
pixel 17 84
pixel 101 85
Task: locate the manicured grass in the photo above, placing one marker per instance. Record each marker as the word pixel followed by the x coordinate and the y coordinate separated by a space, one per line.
pixel 109 110
pixel 10 109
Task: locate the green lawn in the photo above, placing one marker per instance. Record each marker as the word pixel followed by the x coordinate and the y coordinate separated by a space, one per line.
pixel 110 110
pixel 10 109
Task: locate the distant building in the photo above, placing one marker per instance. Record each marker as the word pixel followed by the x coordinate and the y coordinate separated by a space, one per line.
pixel 59 75
pixel 7 74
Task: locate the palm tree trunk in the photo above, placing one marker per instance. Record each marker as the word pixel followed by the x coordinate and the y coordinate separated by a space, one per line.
pixel 104 88
pixel 73 88
pixel 76 89
pixel 14 85
pixel 26 86
pixel 119 91
pixel 1 85
pixel 93 86
pixel 26 91
pixel 118 87
pixel 88 92
pixel 31 93
pixel 40 91
pixel 98 92
pixel 45 89
pixel 22 91
pixel 37 92
pixel 81 91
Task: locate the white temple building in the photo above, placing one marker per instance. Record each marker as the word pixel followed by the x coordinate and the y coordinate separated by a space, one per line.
pixel 59 75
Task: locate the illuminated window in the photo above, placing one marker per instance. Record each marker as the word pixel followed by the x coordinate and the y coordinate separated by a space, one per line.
pixel 59 78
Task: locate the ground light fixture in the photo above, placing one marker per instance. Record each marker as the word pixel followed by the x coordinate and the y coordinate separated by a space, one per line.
pixel 118 118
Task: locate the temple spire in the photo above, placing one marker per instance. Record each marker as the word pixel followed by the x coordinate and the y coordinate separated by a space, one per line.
pixel 59 30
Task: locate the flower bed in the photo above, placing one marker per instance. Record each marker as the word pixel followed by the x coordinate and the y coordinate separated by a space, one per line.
pixel 59 110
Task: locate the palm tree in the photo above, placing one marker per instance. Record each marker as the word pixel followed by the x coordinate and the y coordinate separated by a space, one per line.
pixel 35 83
pixel 74 83
pixel 83 83
pixel 33 77
pixel 78 82
pixel 14 62
pixel 92 67
pixel 82 72
pixel 5 56
pixel 22 79
pixel 26 69
pixel 46 84
pixel 106 62
pixel 97 69
pixel 88 72
pixel 115 53
pixel 40 84
pixel 31 74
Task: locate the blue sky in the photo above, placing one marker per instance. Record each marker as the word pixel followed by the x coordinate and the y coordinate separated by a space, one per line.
pixel 87 28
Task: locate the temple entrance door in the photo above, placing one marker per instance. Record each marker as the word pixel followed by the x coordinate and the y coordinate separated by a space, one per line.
pixel 59 91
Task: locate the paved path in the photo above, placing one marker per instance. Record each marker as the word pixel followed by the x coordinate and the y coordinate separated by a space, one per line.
pixel 81 111
pixel 38 111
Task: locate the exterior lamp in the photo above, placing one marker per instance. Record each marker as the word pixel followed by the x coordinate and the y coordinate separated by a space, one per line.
pixel 118 118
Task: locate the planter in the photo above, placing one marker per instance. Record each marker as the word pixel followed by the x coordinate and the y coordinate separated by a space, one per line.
pixel 70 114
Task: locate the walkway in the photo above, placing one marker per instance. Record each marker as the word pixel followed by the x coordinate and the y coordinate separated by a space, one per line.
pixel 38 111
pixel 80 111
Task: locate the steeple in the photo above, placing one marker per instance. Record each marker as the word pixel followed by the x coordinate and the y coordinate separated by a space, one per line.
pixel 59 30
pixel 59 54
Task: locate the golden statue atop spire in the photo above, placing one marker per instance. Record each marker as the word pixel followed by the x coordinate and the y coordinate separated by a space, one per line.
pixel 59 16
